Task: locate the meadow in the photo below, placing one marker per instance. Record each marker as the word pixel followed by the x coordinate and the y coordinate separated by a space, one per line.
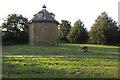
pixel 43 66
pixel 59 67
pixel 62 49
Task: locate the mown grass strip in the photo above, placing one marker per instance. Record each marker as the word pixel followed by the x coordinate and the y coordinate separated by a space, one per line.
pixel 59 67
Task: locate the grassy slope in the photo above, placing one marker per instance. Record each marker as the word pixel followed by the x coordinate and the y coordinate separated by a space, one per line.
pixel 59 67
pixel 61 49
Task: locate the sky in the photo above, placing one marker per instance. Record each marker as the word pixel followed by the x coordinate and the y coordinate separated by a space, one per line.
pixel 72 10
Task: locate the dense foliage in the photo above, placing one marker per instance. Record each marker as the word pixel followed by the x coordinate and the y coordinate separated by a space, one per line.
pixel 15 29
pixel 118 35
pixel 78 33
pixel 64 29
pixel 104 30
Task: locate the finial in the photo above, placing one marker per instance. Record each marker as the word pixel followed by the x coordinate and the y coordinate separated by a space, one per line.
pixel 44 6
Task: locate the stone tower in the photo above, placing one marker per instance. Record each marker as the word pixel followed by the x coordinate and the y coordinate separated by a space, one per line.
pixel 43 29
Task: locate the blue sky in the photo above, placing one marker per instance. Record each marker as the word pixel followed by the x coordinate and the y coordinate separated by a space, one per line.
pixel 71 10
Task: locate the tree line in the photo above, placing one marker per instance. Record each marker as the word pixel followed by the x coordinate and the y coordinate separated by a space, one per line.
pixel 104 31
pixel 15 30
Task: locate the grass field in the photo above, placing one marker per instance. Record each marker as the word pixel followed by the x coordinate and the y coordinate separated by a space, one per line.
pixel 60 66
pixel 61 49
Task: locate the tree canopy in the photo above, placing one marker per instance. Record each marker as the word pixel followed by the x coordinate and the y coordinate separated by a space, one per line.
pixel 78 33
pixel 104 30
pixel 15 22
pixel 15 28
pixel 64 29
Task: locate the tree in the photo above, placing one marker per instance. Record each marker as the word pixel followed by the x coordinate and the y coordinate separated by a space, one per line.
pixel 64 29
pixel 104 30
pixel 15 25
pixel 78 34
pixel 118 39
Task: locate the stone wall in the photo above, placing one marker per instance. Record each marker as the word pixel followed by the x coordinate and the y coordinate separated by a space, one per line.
pixel 43 33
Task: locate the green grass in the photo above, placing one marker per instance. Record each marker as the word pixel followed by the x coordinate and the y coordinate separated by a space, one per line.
pixel 63 48
pixel 42 66
pixel 59 67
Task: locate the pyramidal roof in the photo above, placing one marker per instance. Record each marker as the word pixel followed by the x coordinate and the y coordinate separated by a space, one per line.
pixel 44 16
